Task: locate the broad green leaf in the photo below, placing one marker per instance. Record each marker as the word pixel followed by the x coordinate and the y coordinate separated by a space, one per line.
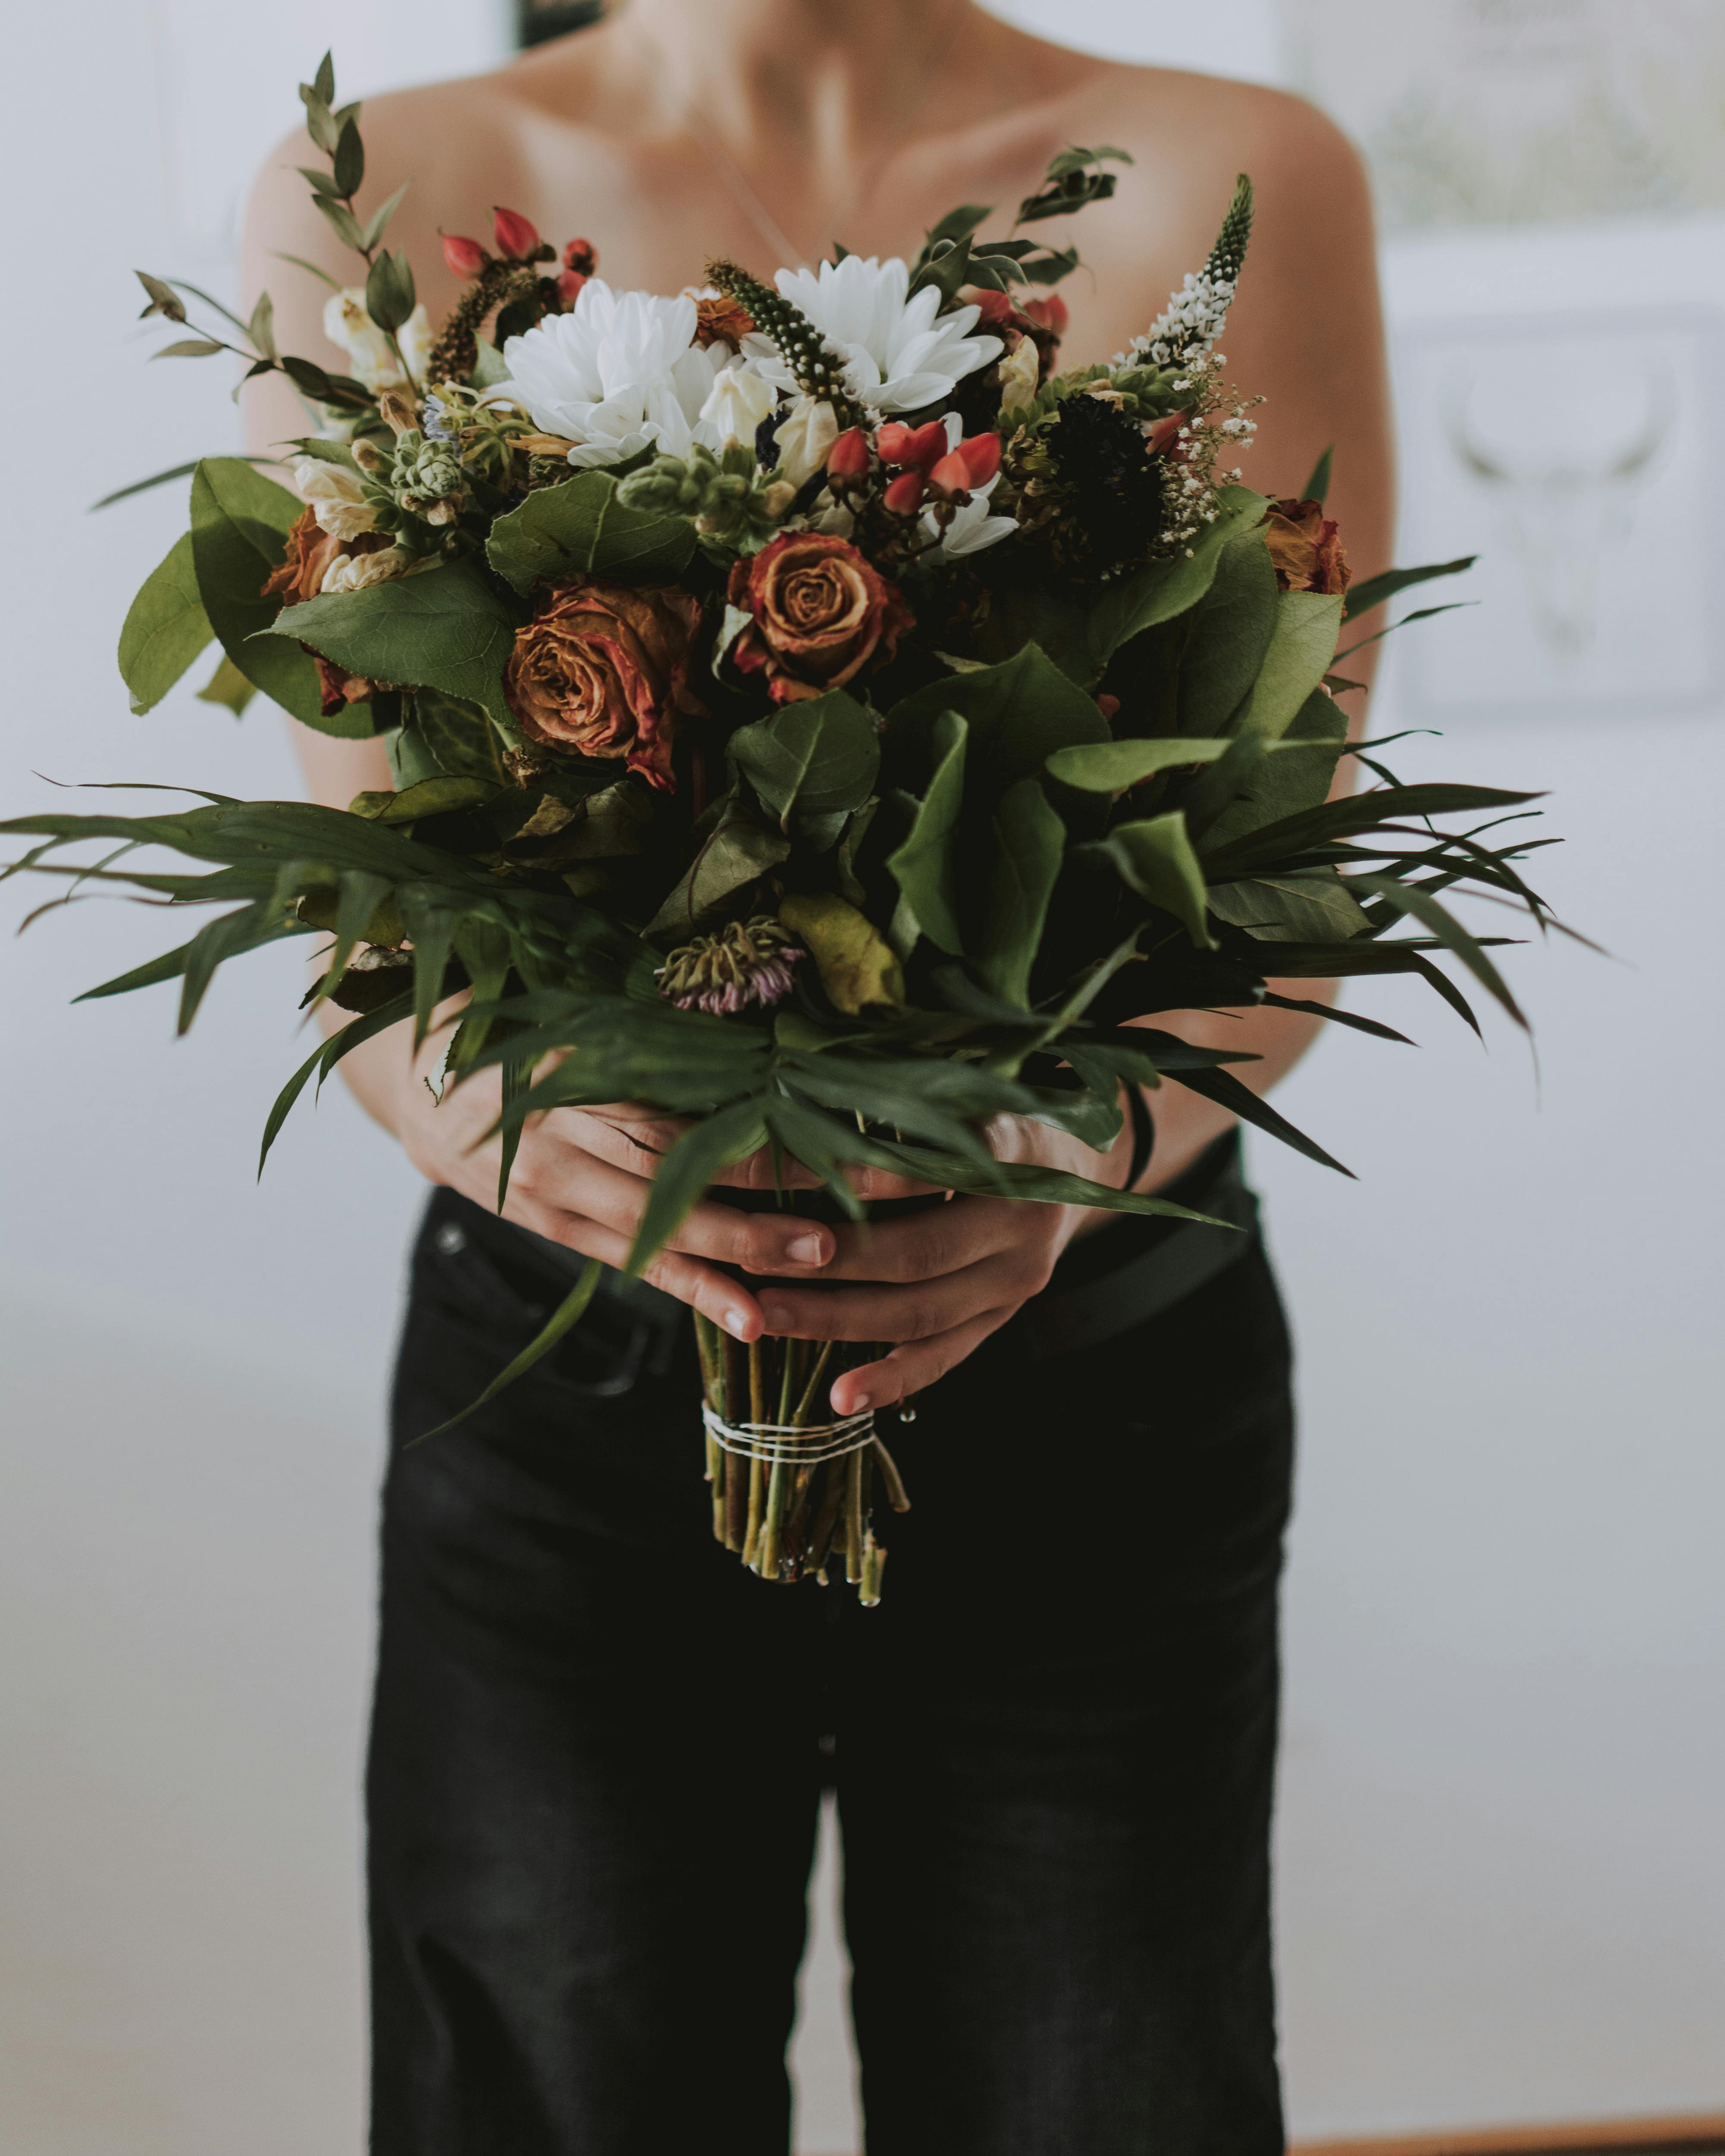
pixel 858 966
pixel 1029 841
pixel 456 737
pixel 686 1170
pixel 578 528
pixel 1228 635
pixel 1297 776
pixel 737 853
pixel 1018 714
pixel 1309 907
pixel 1168 588
pixel 166 628
pixel 1155 858
pixel 239 526
pixel 227 687
pixel 1306 624
pixel 1113 767
pixel 444 628
pixel 815 758
pixel 925 866
pixel 435 797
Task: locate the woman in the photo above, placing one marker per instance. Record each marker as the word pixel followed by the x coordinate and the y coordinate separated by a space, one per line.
pixel 596 1758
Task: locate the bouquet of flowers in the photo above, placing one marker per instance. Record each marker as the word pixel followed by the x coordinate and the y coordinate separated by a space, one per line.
pixel 813 712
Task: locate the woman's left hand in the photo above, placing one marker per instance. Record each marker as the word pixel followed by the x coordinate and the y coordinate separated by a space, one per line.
pixel 938 1283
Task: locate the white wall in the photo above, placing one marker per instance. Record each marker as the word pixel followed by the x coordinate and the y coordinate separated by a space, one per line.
pixel 1501 1883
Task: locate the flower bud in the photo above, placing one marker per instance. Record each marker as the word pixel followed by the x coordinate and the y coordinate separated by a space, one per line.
pixel 981 457
pixel 516 235
pixel 904 497
pixel 569 286
pixel 913 446
pixel 466 258
pixel 849 456
pixel 581 256
pixel 950 476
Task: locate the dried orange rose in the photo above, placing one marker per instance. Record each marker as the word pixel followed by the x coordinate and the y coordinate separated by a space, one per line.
pixel 820 614
pixel 601 671
pixel 1305 548
pixel 299 575
pixel 721 321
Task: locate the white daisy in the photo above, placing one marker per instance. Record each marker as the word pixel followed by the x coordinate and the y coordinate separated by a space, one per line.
pixel 971 527
pixel 620 373
pixel 900 353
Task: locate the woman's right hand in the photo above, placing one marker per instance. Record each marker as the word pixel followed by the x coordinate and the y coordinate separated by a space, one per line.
pixel 581 1176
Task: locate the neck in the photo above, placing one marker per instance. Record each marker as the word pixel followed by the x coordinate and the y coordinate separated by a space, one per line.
pixel 816 82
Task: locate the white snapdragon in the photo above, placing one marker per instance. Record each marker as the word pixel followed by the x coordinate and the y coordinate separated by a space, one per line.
pixel 353 572
pixel 1184 333
pixel 370 354
pixel 805 439
pixel 337 495
pixel 739 399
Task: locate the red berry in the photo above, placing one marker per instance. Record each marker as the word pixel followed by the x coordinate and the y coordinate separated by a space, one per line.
pixel 466 258
pixel 849 456
pixel 517 236
pixel 904 497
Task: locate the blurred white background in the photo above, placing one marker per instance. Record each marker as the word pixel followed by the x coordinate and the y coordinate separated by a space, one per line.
pixel 1502 1894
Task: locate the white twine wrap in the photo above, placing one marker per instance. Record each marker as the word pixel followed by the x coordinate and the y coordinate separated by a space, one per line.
pixel 803 1447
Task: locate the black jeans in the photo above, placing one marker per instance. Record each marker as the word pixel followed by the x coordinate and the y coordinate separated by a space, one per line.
pixel 599 1746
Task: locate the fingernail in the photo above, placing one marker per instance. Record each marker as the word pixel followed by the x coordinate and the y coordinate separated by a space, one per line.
pixel 734 1321
pixel 806 1250
pixel 774 1315
pixel 861 1402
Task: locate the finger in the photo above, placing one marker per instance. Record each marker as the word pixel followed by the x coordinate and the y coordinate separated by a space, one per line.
pixel 945 1238
pixel 580 1182
pixel 873 1312
pixel 634 1137
pixel 714 1294
pixel 915 1367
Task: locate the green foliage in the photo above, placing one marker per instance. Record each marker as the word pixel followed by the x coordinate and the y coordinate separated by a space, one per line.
pixel 1155 857
pixel 240 521
pixel 579 528
pixel 1166 589
pixel 1029 840
pixel 814 759
pixel 445 629
pixel 926 865
pixel 1299 655
pixel 1229 632
pixel 165 630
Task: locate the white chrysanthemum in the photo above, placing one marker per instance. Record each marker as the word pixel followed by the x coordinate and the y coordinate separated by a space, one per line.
pixel 620 373
pixel 971 527
pixel 369 352
pixel 336 495
pixel 901 352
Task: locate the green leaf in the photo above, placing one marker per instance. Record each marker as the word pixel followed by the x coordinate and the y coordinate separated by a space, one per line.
pixel 815 758
pixel 1297 776
pixel 1372 591
pixel 227 686
pixel 579 528
pixel 738 854
pixel 925 866
pixel 1029 841
pixel 445 629
pixel 1115 765
pixel 343 223
pixel 686 1170
pixel 1018 714
pixel 1155 858
pixel 1299 656
pixel 380 216
pixel 1168 588
pixel 1009 1179
pixel 436 797
pixel 567 1315
pixel 163 299
pixel 190 348
pixel 1318 485
pixel 350 163
pixel 300 262
pixel 1448 931
pixel 457 736
pixel 162 479
pixel 858 966
pixel 1272 844
pixel 166 628
pixel 1227 1091
pixel 389 291
pixel 239 526
pixel 1309 906
pixel 1229 633
pixel 323 83
pixel 489 368
pixel 261 328
pixel 322 1060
